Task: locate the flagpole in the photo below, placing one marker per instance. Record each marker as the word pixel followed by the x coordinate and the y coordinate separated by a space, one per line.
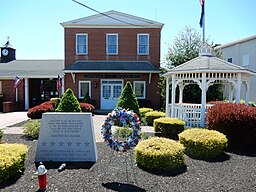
pixel 204 24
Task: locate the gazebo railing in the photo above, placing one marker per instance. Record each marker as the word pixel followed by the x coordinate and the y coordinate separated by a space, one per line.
pixel 189 113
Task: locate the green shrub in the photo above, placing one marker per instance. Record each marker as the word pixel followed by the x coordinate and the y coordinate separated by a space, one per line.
pixel 159 154
pixel 237 122
pixel 128 99
pixel 1 134
pixel 68 102
pixel 151 116
pixel 55 102
pixel 12 160
pixel 144 110
pixel 31 129
pixel 169 127
pixel 87 98
pixel 203 143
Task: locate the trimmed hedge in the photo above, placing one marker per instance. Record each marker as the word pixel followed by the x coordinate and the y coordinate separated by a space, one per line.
pixel 203 143
pixel 151 116
pixel 236 121
pixel 168 127
pixel 12 160
pixel 144 110
pixel 37 111
pixel 159 154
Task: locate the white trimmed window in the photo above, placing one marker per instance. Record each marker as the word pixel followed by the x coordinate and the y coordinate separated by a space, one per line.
pixel 83 88
pixel 143 44
pixel 81 44
pixel 112 44
pixel 140 89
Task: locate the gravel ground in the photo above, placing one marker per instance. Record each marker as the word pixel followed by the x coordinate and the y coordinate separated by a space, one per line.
pixel 117 172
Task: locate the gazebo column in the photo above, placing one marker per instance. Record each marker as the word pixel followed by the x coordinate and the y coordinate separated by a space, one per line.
pixel 238 90
pixel 247 93
pixel 181 88
pixel 230 93
pixel 203 100
pixel 173 95
pixel 167 95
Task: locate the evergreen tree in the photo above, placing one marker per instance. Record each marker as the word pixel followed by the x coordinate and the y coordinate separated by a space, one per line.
pixel 69 102
pixel 128 99
pixel 87 98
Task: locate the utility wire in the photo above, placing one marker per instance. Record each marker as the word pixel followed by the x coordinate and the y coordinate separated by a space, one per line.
pixel 106 14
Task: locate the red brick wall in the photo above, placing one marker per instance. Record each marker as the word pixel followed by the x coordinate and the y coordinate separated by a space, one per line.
pixel 127 45
pixel 10 94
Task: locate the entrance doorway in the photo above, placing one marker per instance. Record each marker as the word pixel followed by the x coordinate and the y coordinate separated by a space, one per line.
pixel 110 93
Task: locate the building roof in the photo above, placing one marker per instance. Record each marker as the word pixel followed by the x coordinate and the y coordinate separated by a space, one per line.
pixel 112 66
pixel 112 19
pixel 253 37
pixel 31 69
pixel 208 64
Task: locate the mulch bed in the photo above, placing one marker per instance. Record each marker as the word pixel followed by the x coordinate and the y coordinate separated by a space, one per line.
pixel 118 172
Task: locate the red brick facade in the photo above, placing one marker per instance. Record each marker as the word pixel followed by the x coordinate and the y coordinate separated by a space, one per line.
pixel 127 51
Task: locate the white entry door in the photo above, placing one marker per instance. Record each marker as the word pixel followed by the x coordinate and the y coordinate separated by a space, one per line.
pixel 110 93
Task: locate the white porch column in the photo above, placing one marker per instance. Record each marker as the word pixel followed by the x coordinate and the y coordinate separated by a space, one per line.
pixel 203 100
pixel 26 94
pixel 247 92
pixel 167 108
pixel 181 88
pixel 238 90
pixel 173 95
pixel 62 87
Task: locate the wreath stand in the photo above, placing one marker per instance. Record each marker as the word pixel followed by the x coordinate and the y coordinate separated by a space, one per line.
pixel 120 149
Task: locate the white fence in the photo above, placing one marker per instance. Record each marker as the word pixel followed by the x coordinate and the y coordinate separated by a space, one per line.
pixel 190 113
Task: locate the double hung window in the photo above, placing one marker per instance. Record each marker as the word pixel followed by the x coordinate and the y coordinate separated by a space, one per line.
pixel 81 44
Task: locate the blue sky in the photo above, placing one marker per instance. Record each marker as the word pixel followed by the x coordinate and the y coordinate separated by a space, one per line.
pixel 35 31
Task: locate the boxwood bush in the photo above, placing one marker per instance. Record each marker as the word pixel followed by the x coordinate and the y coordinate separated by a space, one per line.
pixel 168 127
pixel 151 116
pixel 236 121
pixel 12 160
pixel 158 153
pixel 203 143
pixel 144 110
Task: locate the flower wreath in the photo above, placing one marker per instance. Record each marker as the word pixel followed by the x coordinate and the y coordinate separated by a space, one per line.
pixel 124 117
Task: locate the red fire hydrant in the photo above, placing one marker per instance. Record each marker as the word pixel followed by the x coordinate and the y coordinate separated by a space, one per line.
pixel 41 172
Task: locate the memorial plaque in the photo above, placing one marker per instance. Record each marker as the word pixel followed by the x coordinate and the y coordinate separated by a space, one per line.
pixel 66 137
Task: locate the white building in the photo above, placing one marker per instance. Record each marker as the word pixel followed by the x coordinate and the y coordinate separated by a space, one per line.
pixel 242 52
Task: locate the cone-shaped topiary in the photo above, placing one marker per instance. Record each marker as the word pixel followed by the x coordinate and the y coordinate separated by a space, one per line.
pixel 128 99
pixel 69 102
pixel 87 98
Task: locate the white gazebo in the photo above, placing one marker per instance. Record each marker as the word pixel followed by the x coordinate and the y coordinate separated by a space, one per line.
pixel 205 71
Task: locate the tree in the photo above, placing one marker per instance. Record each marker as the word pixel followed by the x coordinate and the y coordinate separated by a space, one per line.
pixel 69 102
pixel 128 99
pixel 186 46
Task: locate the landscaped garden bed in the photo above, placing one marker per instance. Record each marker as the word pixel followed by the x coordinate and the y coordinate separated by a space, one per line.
pixel 117 172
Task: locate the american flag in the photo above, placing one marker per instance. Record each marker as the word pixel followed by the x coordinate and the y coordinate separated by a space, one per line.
pixel 17 82
pixel 202 13
pixel 58 84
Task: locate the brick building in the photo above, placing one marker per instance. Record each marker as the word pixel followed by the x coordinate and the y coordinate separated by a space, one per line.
pixel 104 51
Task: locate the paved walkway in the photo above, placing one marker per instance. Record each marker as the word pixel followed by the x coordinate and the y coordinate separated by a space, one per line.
pixel 9 119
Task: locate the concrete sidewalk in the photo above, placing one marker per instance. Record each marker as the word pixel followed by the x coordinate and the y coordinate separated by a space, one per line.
pixel 9 119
